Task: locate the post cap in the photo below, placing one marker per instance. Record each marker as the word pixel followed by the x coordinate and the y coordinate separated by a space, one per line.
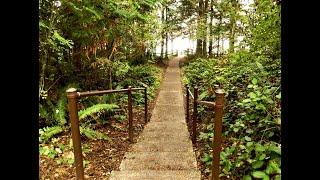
pixel 219 91
pixel 70 90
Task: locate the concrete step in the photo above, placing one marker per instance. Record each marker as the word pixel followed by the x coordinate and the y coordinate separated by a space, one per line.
pixel 166 131
pixel 179 135
pixel 156 175
pixel 174 144
pixel 164 126
pixel 170 97
pixel 160 113
pixel 171 87
pixel 164 137
pixel 158 161
pixel 172 79
pixel 172 73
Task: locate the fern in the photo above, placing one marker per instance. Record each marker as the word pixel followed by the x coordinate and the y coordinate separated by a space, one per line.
pixel 93 110
pixel 97 15
pixel 62 40
pixel 60 113
pixel 47 133
pixel 93 134
pixel 60 110
pixel 88 132
pixel 203 95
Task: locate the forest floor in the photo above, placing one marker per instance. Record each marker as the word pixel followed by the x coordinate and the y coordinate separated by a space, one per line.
pixel 103 156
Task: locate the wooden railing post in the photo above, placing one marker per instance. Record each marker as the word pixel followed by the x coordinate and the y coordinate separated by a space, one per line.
pixel 187 105
pixel 130 114
pixel 218 109
pixel 145 105
pixel 195 114
pixel 76 141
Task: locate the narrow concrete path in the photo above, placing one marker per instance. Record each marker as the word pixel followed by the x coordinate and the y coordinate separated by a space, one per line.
pixel 163 150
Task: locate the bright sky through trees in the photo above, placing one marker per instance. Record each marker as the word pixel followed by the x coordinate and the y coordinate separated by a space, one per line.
pixel 181 43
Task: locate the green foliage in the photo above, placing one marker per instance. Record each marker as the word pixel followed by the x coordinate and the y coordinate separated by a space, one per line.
pixel 60 113
pixel 90 133
pixel 45 134
pixel 259 175
pixel 121 69
pixel 99 45
pixel 76 35
pixel 251 78
pixel 120 118
pixel 95 110
pixel 253 113
pixel 143 76
pixel 65 160
pixel 48 151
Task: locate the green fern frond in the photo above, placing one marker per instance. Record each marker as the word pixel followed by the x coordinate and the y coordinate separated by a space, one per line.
pixel 93 134
pixel 47 133
pixel 97 15
pixel 60 112
pixel 88 132
pixel 95 109
pixel 62 40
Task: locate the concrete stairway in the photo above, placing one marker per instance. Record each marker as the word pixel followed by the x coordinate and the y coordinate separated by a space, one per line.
pixel 163 150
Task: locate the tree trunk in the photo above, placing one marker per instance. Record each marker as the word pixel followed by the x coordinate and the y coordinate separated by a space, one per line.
pixel 199 49
pixel 232 39
pixel 232 26
pixel 211 29
pixel 222 43
pixel 76 56
pixel 162 34
pixel 167 39
pixel 205 33
pixel 171 43
pixel 218 46
pixel 110 78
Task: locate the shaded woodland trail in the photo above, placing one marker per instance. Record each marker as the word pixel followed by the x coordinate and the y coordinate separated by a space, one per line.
pixel 163 150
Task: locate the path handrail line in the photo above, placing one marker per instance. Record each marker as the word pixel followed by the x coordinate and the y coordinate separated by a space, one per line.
pixel 217 106
pixel 207 103
pixel 73 97
pixel 103 92
pixel 190 93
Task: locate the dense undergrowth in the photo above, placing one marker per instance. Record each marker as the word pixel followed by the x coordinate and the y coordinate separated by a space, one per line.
pixel 93 45
pixel 95 111
pixel 251 78
pixel 251 125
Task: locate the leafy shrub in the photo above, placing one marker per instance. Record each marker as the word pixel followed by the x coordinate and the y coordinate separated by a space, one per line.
pixel 142 76
pixel 252 112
